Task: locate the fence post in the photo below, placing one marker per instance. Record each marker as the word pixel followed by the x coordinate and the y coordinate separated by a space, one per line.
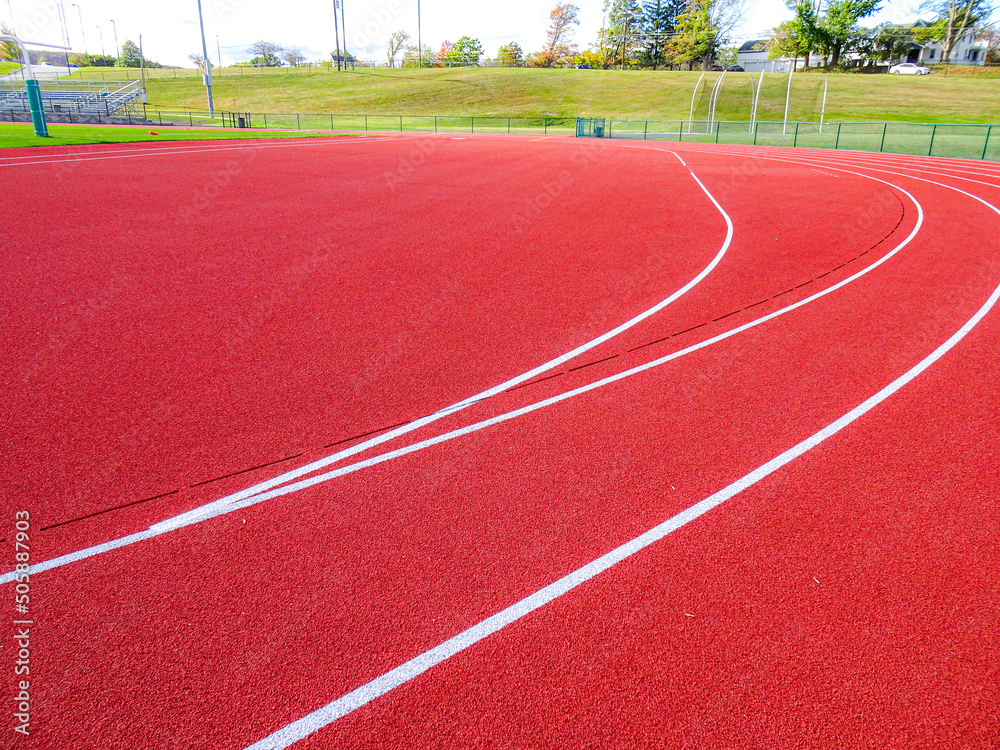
pixel 795 140
pixel 645 129
pixel 400 123
pixel 718 127
pixel 435 123
pixel 298 122
pixel 366 123
pixel 265 122
pixel 881 147
pixel 190 119
pixel 473 124
pixel 545 121
pixel 930 148
pixel 331 122
pixel 508 126
pixel 680 131
pixel 987 144
pixel 836 144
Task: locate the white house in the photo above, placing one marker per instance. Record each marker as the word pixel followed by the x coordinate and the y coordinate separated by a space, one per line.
pixel 752 57
pixel 969 49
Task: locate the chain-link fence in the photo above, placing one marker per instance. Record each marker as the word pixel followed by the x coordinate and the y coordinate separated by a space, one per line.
pixel 925 139
pixel 362 123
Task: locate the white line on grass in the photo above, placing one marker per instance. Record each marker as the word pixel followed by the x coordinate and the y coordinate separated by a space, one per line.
pixel 413 668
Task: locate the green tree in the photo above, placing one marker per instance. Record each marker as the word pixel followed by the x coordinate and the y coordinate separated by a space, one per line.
pixel 659 18
pixel 397 43
pixel 840 24
pixel 703 29
pixel 622 36
pixel 129 54
pixel 955 19
pixel 510 56
pixel 559 37
pixel 411 57
pixel 799 36
pixel 265 54
pixel 467 51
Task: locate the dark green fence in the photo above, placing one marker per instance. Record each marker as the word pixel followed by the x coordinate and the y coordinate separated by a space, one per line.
pixel 365 123
pixel 962 141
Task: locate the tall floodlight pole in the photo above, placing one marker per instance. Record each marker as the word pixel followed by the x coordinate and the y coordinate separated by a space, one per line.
pixel 336 32
pixel 64 23
pixel 118 52
pixel 207 77
pixel 101 37
pixel 343 25
pixel 420 44
pixel 218 48
pixel 83 33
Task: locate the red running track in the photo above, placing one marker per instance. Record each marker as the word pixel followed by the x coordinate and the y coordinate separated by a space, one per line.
pixel 260 302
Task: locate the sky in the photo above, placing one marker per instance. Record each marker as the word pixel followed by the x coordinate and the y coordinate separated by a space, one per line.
pixel 170 29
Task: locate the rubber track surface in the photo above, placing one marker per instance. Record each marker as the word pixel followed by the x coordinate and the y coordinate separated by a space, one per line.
pixel 183 322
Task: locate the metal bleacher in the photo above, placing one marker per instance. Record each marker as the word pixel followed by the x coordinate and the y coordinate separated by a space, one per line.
pixel 88 100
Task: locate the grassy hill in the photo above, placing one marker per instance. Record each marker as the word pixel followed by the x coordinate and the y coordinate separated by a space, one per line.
pixel 639 95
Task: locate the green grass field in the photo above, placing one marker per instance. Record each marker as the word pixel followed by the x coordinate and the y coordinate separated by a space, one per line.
pixel 15 135
pixel 8 67
pixel 638 95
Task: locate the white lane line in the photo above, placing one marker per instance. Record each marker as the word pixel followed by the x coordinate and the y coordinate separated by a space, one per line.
pixel 236 502
pixel 413 668
pixel 233 505
pixel 150 152
pixel 210 509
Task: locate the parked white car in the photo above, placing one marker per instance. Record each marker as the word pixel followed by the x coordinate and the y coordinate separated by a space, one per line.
pixel 909 69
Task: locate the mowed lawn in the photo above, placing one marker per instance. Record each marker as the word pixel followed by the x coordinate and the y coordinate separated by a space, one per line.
pixel 639 95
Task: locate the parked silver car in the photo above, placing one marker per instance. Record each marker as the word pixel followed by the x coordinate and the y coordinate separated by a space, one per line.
pixel 909 69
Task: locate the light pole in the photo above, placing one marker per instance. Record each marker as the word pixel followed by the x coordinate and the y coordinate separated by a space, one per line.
pixel 343 25
pixel 118 54
pixel 207 77
pixel 218 48
pixel 101 37
pixel 82 32
pixel 64 21
pixel 336 32
pixel 420 45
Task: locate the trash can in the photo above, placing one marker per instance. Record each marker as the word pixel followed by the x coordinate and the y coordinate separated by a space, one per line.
pixel 598 128
pixel 241 122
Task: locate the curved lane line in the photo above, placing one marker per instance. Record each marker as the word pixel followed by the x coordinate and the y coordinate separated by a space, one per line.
pixel 236 502
pixel 413 668
pixel 210 509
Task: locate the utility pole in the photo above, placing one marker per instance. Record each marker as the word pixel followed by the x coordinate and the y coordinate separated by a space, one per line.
pixel 420 44
pixel 207 76
pixel 336 32
pixel 343 25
